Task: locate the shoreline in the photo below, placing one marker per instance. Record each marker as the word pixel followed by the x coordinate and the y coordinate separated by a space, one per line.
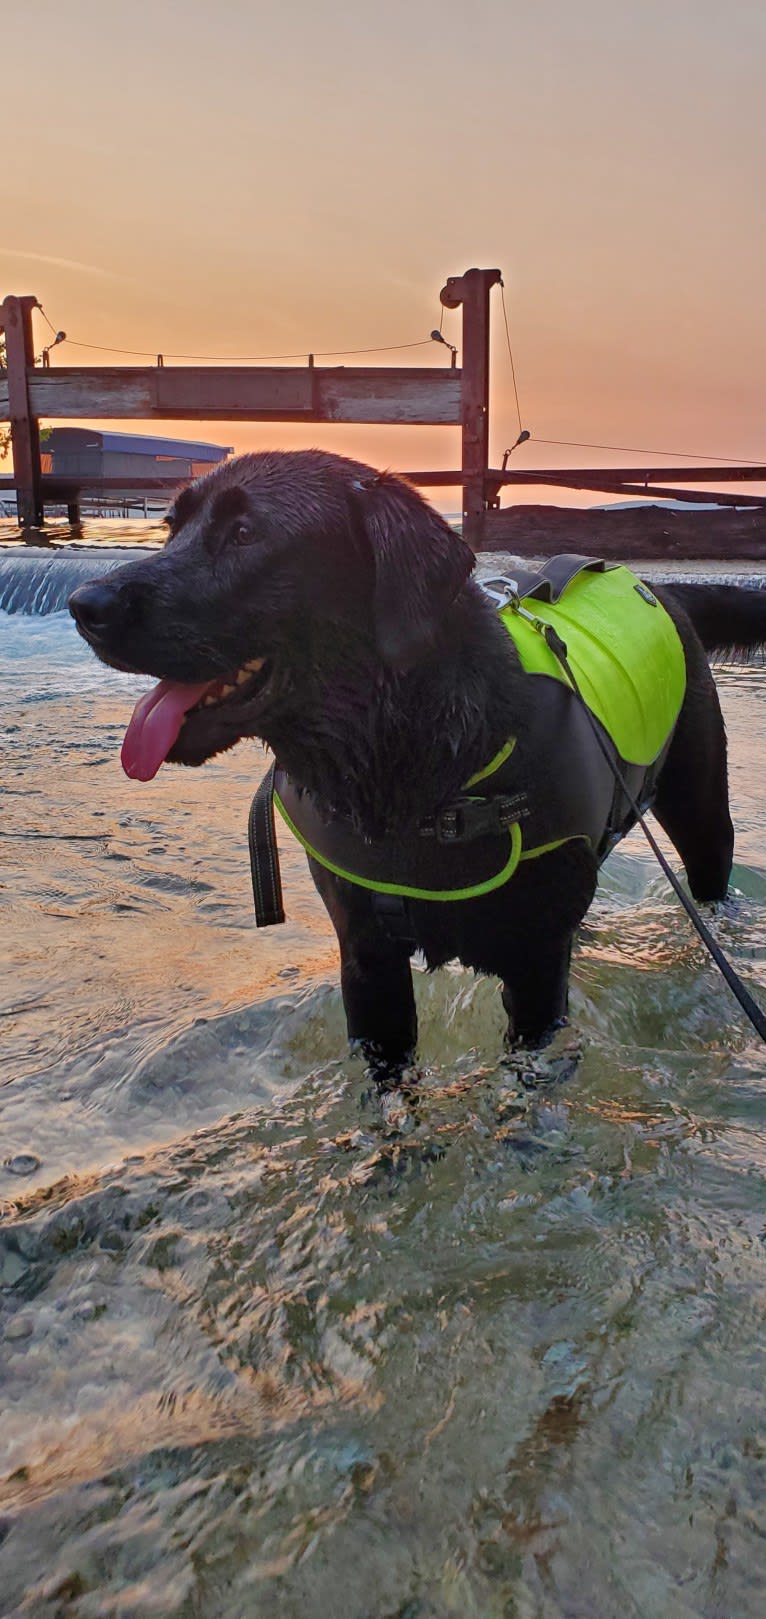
pixel 623 533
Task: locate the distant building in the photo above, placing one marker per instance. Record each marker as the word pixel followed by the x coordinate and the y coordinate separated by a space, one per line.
pixel 85 452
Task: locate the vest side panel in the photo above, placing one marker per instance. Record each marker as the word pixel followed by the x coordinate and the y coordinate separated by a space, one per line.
pixel 624 651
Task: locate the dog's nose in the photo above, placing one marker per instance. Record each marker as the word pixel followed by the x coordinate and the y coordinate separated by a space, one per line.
pixel 93 607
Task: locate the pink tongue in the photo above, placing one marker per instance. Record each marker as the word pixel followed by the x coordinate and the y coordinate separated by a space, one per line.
pixel 155 723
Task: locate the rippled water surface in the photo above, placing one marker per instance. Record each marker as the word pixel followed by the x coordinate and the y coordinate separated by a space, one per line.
pixel 268 1351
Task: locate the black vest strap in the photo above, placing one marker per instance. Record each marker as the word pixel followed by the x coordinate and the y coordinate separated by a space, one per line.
pixel 264 855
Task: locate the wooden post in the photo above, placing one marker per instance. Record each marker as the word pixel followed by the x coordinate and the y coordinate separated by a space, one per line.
pixel 472 291
pixel 16 320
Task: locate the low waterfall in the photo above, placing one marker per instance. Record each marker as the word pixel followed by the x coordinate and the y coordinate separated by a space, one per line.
pixel 38 580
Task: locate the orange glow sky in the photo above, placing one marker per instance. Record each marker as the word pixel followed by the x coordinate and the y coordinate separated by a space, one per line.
pixel 254 179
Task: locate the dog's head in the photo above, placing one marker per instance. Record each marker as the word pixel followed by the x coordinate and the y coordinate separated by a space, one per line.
pixel 273 562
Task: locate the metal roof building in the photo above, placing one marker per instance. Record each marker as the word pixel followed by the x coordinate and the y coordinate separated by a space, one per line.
pixel 86 452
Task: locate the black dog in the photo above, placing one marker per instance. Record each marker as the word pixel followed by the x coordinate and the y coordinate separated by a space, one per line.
pixel 305 600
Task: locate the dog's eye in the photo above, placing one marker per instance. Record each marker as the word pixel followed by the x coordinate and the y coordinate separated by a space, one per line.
pixel 242 534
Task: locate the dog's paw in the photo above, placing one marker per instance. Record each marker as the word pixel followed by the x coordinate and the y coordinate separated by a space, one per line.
pixel 730 906
pixel 555 1062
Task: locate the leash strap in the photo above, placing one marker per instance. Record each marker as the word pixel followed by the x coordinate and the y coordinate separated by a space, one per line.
pixel 749 1006
pixel 264 855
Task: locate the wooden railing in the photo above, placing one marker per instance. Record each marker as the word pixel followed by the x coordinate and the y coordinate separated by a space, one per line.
pixel 408 396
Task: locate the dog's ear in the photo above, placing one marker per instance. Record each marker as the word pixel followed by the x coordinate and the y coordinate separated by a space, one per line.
pixel 420 565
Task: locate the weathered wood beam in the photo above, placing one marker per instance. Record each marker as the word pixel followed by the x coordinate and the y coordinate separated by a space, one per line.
pixel 690 497
pixel 608 482
pixel 439 478
pixel 472 291
pixel 412 397
pixel 59 485
pixel 604 477
pixel 16 322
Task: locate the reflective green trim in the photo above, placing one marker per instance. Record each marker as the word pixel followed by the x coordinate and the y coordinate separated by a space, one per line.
pixel 494 764
pixel 478 889
pixel 545 848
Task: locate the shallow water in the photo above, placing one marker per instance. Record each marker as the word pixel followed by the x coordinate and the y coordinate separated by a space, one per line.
pixel 266 1350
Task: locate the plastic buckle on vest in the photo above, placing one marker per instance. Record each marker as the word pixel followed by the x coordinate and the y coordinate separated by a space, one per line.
pixel 471 818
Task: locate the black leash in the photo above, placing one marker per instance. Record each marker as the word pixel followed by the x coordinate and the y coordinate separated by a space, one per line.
pixel 749 1006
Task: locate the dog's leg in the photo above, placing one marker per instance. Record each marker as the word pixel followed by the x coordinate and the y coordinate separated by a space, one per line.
pixel 692 802
pixel 379 1000
pixel 376 980
pixel 536 991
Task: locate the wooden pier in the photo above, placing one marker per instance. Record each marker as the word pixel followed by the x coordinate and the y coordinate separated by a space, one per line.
pixel 457 396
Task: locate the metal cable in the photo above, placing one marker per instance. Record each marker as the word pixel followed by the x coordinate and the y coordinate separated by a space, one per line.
pixel 235 359
pixel 680 455
pixel 510 354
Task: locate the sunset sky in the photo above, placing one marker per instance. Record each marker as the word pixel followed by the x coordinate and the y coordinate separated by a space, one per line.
pixel 253 179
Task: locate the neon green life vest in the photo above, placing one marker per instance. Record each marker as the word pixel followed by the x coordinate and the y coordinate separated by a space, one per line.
pixel 627 658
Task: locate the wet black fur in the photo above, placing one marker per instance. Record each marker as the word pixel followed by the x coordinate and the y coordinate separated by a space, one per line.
pixel 389 680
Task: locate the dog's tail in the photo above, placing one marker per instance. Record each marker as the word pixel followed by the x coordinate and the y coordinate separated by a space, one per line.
pixel 730 620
